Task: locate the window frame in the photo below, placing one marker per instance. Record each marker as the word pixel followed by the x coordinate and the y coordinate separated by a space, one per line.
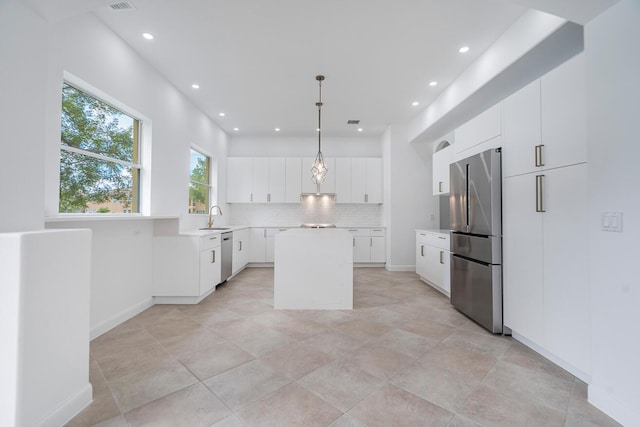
pixel 140 156
pixel 208 184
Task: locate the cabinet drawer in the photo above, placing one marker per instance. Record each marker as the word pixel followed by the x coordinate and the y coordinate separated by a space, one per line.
pixel 209 241
pixel 377 232
pixel 359 232
pixel 438 240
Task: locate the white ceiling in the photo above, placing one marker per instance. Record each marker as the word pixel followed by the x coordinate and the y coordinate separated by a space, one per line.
pixel 256 60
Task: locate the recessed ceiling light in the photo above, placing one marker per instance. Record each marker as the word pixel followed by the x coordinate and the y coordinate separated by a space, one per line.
pixel 464 49
pixel 195 86
pixel 147 36
pixel 236 129
pixel 221 114
pixel 433 83
pixel 277 129
pixel 360 129
pixel 415 103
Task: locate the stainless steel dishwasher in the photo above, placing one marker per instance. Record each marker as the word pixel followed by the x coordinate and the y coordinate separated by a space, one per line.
pixel 227 255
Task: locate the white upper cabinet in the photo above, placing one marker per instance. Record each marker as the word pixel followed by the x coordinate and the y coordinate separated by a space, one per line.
pixel 374 180
pixel 239 179
pixel 343 180
pixel 564 116
pixel 481 128
pixel 260 180
pixel 441 161
pixel 277 180
pixel 293 179
pixel 366 180
pixel 521 131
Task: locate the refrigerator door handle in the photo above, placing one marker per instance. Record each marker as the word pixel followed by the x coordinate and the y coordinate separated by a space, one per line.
pixel 540 193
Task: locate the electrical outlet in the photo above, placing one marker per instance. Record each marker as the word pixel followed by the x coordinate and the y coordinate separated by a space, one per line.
pixel 611 221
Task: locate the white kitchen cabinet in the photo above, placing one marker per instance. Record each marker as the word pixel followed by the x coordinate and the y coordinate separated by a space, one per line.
pixel 441 161
pixel 485 126
pixel 546 291
pixel 239 179
pixel 545 122
pixel 269 254
pixel 369 245
pixel 433 259
pixel 293 179
pixel 277 180
pixel 522 132
pixel 257 245
pixel 185 268
pixel 241 250
pixel 328 186
pixel 366 180
pixel 343 180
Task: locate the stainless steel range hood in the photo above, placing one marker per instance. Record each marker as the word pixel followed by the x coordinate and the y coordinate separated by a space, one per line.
pixel 318 195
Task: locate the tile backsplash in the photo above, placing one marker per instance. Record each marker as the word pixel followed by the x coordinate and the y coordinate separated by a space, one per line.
pixel 289 214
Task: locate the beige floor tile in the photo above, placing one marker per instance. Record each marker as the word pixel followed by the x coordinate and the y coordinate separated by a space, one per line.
pixel 335 343
pixel 489 407
pixel 392 406
pixel 117 421
pixel 299 328
pixel 340 384
pixel 346 421
pixel 482 343
pixel 211 318
pixel 192 406
pixel 103 407
pixel 139 388
pixel 245 384
pixel 236 328
pixel 291 405
pixel 434 332
pixel 263 342
pixel 157 313
pixel 172 326
pixel 460 421
pixel 519 354
pixel 108 344
pixel 231 421
pixel 363 329
pixel 134 359
pixel 582 414
pixel 399 340
pixel 387 317
pixel 215 359
pixel 381 362
pixel 190 341
pixel 296 360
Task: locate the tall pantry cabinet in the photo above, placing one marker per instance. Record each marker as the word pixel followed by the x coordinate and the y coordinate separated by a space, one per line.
pixel 545 246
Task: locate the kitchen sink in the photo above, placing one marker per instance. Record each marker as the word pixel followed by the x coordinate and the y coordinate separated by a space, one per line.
pixel 215 228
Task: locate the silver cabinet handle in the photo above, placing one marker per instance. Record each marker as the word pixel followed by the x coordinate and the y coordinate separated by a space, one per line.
pixel 265 233
pixel 366 198
pixel 421 250
pixel 352 229
pixel 370 242
pixel 443 238
pixel 240 247
pixel 539 155
pixel 354 242
pixel 251 197
pixel 441 260
pixel 282 229
pixel 212 238
pixel 440 186
pixel 213 257
pixel 268 197
pixel 540 193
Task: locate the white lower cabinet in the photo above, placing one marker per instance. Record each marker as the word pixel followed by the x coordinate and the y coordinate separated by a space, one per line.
pixel 433 258
pixel 185 268
pixel 241 249
pixel 263 244
pixel 368 245
pixel 546 288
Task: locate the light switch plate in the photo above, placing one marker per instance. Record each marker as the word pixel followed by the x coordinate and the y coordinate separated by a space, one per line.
pixel 611 221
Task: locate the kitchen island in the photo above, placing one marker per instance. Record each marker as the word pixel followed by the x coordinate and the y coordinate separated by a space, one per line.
pixel 313 269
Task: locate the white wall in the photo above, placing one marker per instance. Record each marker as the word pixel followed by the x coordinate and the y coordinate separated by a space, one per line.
pixel 23 53
pixel 613 67
pixel 409 203
pixel 304 147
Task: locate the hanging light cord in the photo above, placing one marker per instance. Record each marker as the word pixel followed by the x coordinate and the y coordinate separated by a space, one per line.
pixel 319 105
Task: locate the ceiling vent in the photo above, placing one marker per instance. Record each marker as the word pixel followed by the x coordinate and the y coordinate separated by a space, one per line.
pixel 122 6
pixel 353 122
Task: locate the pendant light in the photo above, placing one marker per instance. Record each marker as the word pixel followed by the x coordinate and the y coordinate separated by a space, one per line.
pixel 319 169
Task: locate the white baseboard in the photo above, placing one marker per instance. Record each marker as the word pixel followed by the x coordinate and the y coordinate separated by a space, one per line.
pixel 70 408
pixel 390 267
pixel 611 406
pixel 123 316
pixel 584 376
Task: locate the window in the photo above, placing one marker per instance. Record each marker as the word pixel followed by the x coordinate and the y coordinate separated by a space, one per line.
pixel 199 183
pixel 99 156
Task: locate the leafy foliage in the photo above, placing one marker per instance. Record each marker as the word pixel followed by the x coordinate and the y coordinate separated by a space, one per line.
pixel 91 125
pixel 198 188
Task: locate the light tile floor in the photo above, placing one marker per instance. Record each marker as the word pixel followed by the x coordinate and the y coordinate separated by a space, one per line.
pixel 402 357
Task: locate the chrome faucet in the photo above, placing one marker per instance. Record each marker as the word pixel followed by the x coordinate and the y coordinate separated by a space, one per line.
pixel 210 222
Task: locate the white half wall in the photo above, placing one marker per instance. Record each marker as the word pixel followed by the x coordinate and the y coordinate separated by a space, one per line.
pixel 23 53
pixel 409 203
pixel 613 67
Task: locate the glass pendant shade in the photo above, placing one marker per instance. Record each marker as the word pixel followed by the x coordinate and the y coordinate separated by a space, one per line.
pixel 319 169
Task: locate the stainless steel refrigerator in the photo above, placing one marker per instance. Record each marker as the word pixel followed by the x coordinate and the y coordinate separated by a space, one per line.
pixel 476 238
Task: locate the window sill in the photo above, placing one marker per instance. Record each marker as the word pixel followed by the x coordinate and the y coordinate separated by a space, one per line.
pixel 103 217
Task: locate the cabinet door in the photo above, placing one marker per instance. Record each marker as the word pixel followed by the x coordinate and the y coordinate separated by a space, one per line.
pixel 293 186
pixel 209 269
pixel 378 253
pixel 484 126
pixel 239 179
pixel 260 180
pixel 444 264
pixel 343 180
pixel 564 114
pixel 374 180
pixel 521 130
pixel 441 161
pixel 277 180
pixel 361 249
pixel 421 265
pixel 523 292
pixel 257 245
pixel 566 282
pixel 358 180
